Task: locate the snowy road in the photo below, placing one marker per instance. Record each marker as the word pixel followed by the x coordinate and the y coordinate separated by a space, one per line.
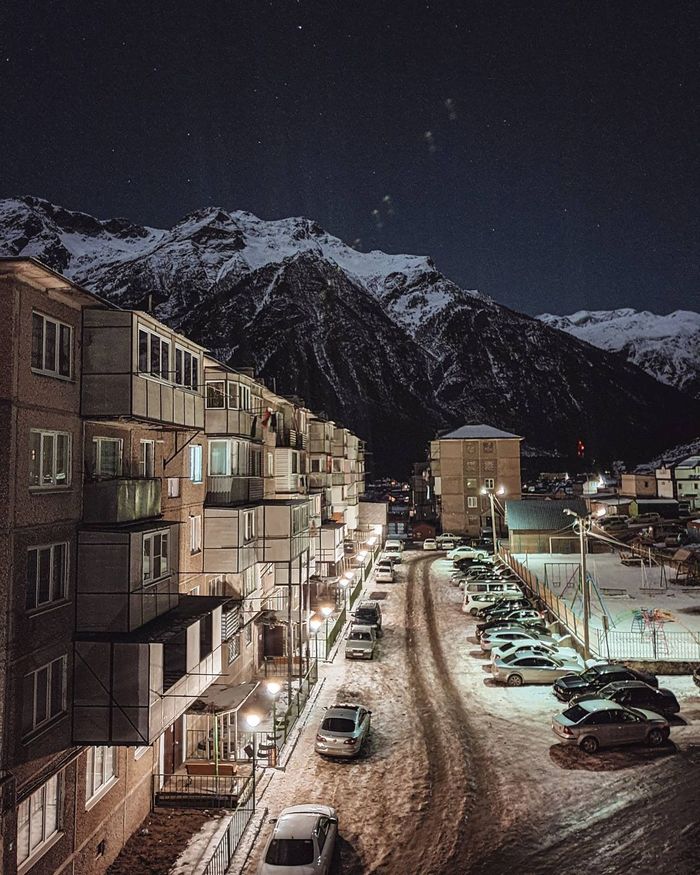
pixel 464 776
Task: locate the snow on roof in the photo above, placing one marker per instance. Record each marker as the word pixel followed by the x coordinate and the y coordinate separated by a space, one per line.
pixel 542 514
pixel 477 432
pixel 690 462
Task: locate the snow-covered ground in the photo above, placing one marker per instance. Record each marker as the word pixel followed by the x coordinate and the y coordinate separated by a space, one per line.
pixel 464 776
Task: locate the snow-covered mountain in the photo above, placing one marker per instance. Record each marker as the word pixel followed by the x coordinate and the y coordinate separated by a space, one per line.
pixel 384 343
pixel 667 347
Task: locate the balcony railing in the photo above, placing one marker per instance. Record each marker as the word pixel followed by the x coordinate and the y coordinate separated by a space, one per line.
pixel 122 500
pixel 224 490
pixel 196 790
pixel 289 437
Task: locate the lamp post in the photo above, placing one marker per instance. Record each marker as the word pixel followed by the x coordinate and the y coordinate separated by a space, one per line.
pixel 315 625
pixel 253 720
pixel 582 526
pixel 326 611
pixel 490 492
pixel 344 583
pixel 273 688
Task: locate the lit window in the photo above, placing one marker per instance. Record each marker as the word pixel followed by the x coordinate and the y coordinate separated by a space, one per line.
pixel 223 458
pixel 195 534
pixel 52 346
pixel 49 459
pixel 38 819
pixel 173 487
pixel 472 501
pixel 196 463
pixel 147 458
pixel 44 694
pixel 108 456
pixel 47 575
pixel 99 770
pixel 248 525
pixel 489 483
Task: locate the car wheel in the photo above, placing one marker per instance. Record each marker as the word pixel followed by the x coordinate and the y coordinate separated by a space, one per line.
pixel 514 680
pixel 655 737
pixel 590 744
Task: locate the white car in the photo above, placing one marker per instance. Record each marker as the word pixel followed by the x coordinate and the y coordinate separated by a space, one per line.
pixel 394 549
pixel 466 553
pixel 565 654
pixel 475 601
pixel 446 538
pixel 430 544
pixel 498 637
pixel 302 842
pixel 384 573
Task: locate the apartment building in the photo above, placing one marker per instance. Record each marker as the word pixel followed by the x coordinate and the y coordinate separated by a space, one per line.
pixel 638 485
pixel 466 464
pixel 156 542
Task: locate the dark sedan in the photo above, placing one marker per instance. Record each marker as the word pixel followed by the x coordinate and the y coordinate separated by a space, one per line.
pixel 510 617
pixel 636 694
pixel 486 613
pixel 593 679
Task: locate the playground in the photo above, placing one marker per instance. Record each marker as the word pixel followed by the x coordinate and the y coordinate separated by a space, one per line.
pixel 635 610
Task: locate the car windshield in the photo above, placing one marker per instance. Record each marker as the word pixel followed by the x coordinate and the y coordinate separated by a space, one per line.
pixel 575 714
pixel 365 615
pixel 338 724
pixel 360 636
pixel 290 852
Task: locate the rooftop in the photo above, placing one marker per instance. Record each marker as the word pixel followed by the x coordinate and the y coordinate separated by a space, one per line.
pixel 478 432
pixel 690 462
pixel 542 514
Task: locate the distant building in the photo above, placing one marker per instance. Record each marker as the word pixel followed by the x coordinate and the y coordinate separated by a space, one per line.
pixel 540 525
pixel 639 485
pixel 688 482
pixel 466 461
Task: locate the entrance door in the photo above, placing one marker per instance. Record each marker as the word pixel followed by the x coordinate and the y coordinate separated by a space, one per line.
pixel 174 753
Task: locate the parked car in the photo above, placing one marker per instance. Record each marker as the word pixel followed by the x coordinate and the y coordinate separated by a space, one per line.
pixel 527 618
pixel 696 676
pixel 635 694
pixel 501 600
pixel 393 548
pixel 446 537
pixel 430 544
pixel 601 723
pixel 496 637
pixel 343 730
pixel 384 573
pixel 556 649
pixel 644 519
pixel 466 552
pixel 361 642
pixel 591 680
pixel 369 613
pixel 474 602
pixel 391 558
pixel 502 604
pixel 528 667
pixel 302 842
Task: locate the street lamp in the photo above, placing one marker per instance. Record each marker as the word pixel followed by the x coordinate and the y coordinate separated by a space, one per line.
pixel 582 526
pixel 253 720
pixel 326 610
pixel 273 688
pixel 490 492
pixel 344 583
pixel 315 624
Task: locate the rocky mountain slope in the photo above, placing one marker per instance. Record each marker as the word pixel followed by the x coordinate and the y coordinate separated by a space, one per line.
pixel 667 347
pixel 384 343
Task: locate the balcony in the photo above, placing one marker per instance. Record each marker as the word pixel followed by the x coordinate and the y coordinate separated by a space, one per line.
pixel 130 686
pixel 289 437
pixel 225 491
pixel 341 478
pixel 244 423
pixel 122 500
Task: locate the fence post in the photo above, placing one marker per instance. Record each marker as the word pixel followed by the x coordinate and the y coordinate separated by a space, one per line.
pixel 653 642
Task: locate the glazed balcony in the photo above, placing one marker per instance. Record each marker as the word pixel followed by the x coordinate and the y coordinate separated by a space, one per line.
pixel 226 491
pixel 122 500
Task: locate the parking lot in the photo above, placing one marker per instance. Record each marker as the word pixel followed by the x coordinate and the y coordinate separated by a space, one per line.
pixel 463 775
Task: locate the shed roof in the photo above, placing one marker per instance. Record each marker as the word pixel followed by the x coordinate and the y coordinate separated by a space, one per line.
pixel 541 514
pixel 477 432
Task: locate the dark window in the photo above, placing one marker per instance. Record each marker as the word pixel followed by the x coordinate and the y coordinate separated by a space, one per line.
pixel 37 341
pixel 206 636
pixel 576 713
pixel 165 360
pixel 143 352
pixel 178 366
pixel 338 724
pixel 290 852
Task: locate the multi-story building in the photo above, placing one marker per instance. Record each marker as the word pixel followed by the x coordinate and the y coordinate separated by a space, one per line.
pixel 466 464
pixel 688 482
pixel 156 548
pixel 638 485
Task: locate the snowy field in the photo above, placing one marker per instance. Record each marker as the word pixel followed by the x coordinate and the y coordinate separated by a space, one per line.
pixel 465 776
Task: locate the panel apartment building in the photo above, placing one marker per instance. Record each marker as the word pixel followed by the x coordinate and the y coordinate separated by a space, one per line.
pixel 465 464
pixel 155 511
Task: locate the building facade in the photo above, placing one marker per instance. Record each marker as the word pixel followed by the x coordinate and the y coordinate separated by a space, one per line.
pixel 466 465
pixel 158 535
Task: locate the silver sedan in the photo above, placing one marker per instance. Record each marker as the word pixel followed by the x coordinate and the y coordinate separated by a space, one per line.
pixel 343 731
pixel 601 723
pixel 529 668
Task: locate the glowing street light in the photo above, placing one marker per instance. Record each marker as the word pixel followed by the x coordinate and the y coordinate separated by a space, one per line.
pixel 490 492
pixel 315 624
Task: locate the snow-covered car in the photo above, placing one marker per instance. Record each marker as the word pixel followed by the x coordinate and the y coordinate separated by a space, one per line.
pixel 343 731
pixel 602 723
pixel 521 616
pixel 598 676
pixel 465 552
pixel 534 623
pixel 430 544
pixel 445 538
pixel 635 694
pixel 528 668
pixel 479 601
pixel 498 637
pixel 384 573
pixel 510 650
pixel 302 842
pixel 361 642
pixel 369 613
pixel 394 549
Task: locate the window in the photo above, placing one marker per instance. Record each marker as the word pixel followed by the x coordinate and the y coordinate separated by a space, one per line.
pixel 239 396
pixel 215 399
pixel 38 819
pixel 155 556
pixel 147 458
pixel 295 463
pixel 224 458
pixel 47 575
pixel 248 629
pixel 196 463
pixel 52 346
pixel 248 525
pixel 99 770
pixel 234 648
pixel 489 483
pixel 195 534
pixel 49 459
pixel 154 354
pixel 186 368
pixel 315 465
pixel 44 694
pixel 472 501
pixel 250 580
pixel 488 447
pixel 270 464
pixel 108 456
pixel 173 487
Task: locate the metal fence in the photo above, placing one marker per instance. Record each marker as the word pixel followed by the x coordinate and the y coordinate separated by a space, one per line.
pixel 651 644
pixel 221 858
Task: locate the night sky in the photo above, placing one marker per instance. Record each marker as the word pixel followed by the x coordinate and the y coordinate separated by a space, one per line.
pixel 544 153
